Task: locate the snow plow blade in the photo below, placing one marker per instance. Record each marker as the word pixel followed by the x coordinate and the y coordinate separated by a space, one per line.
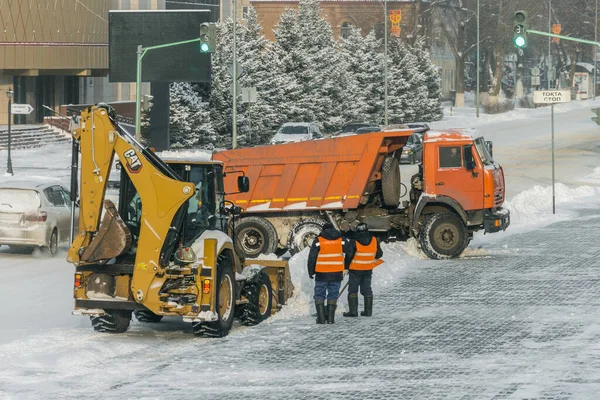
pixel 281 282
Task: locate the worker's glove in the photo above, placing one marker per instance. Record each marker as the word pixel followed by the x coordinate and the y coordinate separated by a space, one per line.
pixel 311 276
pixel 345 273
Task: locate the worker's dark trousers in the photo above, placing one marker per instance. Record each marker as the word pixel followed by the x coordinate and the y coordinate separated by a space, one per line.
pixel 360 279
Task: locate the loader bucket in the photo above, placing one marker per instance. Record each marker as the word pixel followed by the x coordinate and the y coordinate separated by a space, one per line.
pixel 281 281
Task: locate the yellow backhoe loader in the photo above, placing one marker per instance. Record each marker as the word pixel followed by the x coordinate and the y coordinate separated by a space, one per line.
pixel 167 249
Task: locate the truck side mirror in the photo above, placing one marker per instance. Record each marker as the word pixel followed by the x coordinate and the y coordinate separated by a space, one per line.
pixel 490 147
pixel 243 184
pixel 468 159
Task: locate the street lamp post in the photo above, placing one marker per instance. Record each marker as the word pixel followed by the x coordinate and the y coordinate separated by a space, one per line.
pixel 595 50
pixel 477 94
pixel 234 77
pixel 385 64
pixel 9 94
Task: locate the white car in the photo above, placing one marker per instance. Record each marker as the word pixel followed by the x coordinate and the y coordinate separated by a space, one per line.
pixel 296 132
pixel 34 214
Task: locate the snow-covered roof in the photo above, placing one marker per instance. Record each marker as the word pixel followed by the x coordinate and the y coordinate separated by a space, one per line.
pixel 296 124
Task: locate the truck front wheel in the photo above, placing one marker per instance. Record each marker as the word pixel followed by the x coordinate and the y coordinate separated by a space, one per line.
pixel 443 236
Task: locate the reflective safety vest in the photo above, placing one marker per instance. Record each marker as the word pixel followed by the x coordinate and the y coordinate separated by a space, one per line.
pixel 364 258
pixel 331 256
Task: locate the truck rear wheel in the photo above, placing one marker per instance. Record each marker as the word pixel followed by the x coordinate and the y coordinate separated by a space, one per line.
pixel 390 182
pixel 225 306
pixel 255 236
pixel 114 321
pixel 260 300
pixel 304 233
pixel 147 316
pixel 443 236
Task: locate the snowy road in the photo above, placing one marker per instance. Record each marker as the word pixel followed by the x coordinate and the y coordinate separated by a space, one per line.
pixel 517 318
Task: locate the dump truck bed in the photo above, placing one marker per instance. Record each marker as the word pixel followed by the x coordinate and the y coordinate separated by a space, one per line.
pixel 326 174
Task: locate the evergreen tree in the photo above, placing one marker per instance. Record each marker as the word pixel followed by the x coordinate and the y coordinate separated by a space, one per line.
pixel 314 67
pixel 365 70
pixel 189 118
pixel 432 111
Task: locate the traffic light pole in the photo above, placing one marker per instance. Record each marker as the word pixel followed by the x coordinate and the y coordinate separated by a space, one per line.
pixel 141 52
pixel 563 37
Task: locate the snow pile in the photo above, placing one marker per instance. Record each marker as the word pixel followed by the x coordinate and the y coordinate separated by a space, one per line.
pixel 202 155
pixel 592 178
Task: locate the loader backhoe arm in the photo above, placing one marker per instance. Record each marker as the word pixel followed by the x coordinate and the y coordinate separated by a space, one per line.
pixel 160 191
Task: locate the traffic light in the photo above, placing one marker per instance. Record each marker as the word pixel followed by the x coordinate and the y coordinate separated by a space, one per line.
pixel 520 29
pixel 208 39
pixel 596 119
pixel 147 102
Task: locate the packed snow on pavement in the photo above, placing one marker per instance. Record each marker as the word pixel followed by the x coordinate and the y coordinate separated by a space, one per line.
pixel 47 352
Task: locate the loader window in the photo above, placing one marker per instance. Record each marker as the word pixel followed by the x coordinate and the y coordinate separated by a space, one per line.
pixel 450 157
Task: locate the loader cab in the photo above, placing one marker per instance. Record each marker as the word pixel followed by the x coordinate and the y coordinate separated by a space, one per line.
pixel 202 209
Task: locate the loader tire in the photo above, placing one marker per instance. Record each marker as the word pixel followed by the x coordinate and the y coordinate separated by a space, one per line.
pixel 443 236
pixel 114 321
pixel 390 182
pixel 303 233
pixel 260 300
pixel 147 316
pixel 255 236
pixel 225 306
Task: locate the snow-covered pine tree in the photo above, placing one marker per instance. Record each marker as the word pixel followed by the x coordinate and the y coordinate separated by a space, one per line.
pixel 365 72
pixel 433 109
pixel 189 118
pixel 312 60
pixel 406 90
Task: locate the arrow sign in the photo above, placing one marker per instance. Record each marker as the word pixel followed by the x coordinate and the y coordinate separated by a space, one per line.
pixel 21 109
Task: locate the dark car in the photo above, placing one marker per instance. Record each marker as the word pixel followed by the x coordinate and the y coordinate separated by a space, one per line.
pixel 368 129
pixel 354 126
pixel 412 152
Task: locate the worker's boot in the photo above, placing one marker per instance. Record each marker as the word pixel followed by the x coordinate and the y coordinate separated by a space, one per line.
pixel 331 306
pixel 353 305
pixel 368 307
pixel 320 305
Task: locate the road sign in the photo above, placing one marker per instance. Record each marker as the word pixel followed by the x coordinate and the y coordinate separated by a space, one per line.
pixel 395 16
pixel 249 94
pixel 536 81
pixel 20 109
pixel 535 71
pixel 551 96
pixel 396 31
pixel 556 29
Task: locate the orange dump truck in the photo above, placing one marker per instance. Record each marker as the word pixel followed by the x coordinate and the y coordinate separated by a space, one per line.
pixel 297 187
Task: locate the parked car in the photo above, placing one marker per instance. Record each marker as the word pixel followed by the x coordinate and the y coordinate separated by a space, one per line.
pixel 355 126
pixel 34 214
pixel 412 152
pixel 368 129
pixel 296 132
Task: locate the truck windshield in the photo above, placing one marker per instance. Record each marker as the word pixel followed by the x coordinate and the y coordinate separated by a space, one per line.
pixel 484 154
pixel 293 129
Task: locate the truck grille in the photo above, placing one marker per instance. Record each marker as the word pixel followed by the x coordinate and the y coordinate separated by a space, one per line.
pixel 499 197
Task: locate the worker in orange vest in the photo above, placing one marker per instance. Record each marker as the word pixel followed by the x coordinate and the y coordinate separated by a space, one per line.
pixel 364 253
pixel 326 264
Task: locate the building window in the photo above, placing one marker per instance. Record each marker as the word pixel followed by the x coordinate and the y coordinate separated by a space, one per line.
pixel 245 12
pixel 346 30
pixel 379 30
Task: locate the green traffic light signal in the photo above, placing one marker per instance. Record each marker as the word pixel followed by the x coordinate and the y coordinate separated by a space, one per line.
pixel 596 119
pixel 207 37
pixel 520 42
pixel 520 29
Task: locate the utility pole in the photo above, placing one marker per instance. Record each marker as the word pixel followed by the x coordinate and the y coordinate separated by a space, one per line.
pixel 549 42
pixel 234 128
pixel 477 94
pixel 385 63
pixel 595 50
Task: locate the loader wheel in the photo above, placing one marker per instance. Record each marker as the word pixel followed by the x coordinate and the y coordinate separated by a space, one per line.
pixel 304 233
pixel 390 182
pixel 147 316
pixel 260 300
pixel 255 236
pixel 443 236
pixel 115 321
pixel 225 306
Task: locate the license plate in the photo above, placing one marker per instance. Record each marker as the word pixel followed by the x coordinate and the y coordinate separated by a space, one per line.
pixel 6 217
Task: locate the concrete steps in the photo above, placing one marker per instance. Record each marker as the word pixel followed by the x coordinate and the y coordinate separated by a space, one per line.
pixel 27 136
